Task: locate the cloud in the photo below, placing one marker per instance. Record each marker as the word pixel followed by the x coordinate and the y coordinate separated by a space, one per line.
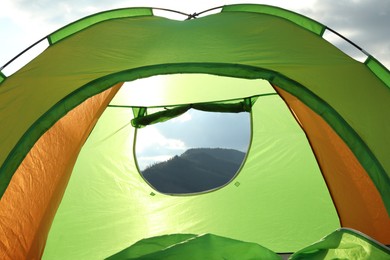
pixel 150 139
pixel 224 130
pixel 152 146
pixel 364 22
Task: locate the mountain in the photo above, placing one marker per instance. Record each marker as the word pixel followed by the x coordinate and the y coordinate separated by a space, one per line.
pixel 195 170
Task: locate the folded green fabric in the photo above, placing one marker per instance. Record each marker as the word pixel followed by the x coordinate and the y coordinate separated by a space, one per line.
pixel 187 246
pixel 344 244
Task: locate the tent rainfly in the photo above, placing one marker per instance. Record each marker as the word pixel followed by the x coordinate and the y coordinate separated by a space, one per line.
pixel 317 166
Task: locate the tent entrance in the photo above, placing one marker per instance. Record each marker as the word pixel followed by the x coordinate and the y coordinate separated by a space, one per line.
pixel 108 206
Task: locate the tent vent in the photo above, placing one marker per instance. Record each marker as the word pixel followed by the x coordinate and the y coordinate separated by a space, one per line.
pixel 210 11
pixel 173 15
pixel 345 45
pixel 24 57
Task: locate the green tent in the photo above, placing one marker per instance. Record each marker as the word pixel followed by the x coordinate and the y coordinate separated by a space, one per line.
pixel 318 157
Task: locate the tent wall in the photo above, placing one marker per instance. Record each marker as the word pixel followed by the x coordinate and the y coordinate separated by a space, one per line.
pixel 274 200
pixel 28 206
pixel 358 202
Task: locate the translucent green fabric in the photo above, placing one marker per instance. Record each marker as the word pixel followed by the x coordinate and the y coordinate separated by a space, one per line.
pixel 278 200
pixel 93 19
pixel 340 244
pixel 300 20
pixel 344 244
pixel 192 247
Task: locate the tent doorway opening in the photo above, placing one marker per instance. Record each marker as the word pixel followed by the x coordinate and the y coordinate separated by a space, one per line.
pixel 195 152
pixel 112 188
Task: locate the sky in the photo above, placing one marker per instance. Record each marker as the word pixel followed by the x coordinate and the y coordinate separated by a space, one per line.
pixel 194 129
pixel 23 22
pixel 159 142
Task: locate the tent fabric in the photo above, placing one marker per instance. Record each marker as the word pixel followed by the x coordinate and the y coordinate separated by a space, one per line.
pixel 29 204
pixel 298 19
pixel 344 244
pixel 93 19
pixel 151 245
pixel 350 101
pixel 358 210
pixel 188 246
pixel 379 70
pixel 2 77
pixel 340 244
pixel 103 212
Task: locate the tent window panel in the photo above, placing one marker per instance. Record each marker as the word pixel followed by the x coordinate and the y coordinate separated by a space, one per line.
pixel 193 153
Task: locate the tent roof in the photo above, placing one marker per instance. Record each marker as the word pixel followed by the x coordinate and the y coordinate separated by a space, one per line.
pixel 328 81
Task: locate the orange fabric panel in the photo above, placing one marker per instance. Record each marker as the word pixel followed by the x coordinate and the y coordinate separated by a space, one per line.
pixel 29 204
pixel 357 200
